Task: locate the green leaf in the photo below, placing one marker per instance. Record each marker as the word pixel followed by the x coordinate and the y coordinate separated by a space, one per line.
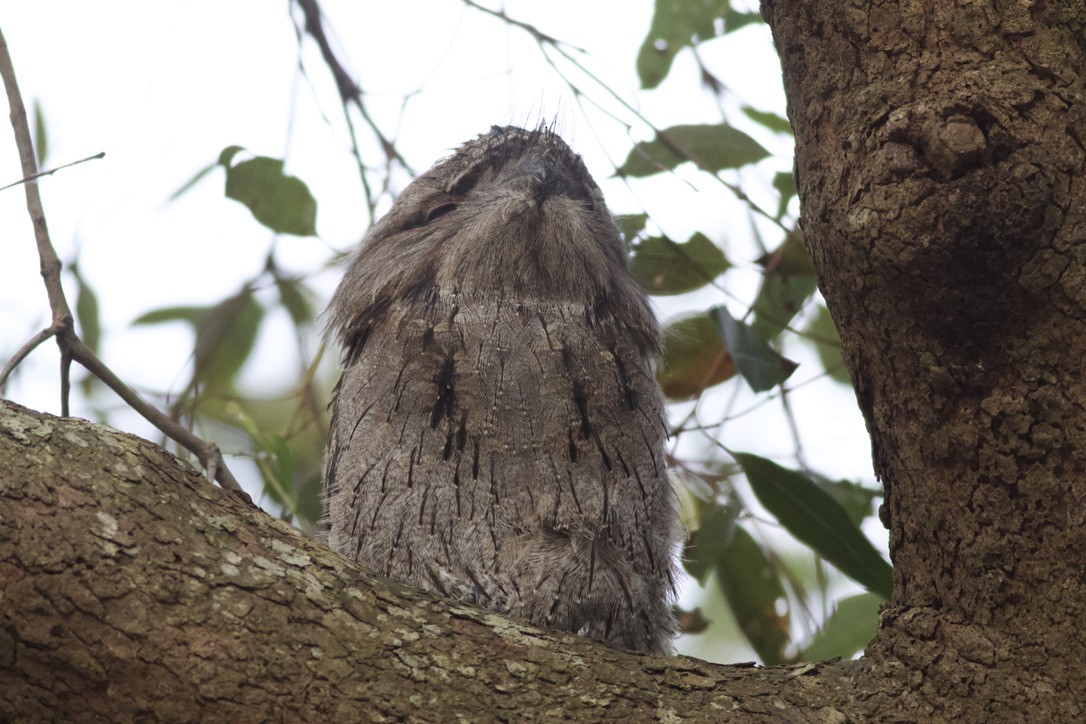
pixel 691 622
pixel 716 523
pixel 694 358
pixel 780 298
pixel 289 464
pixel 823 335
pixel 675 24
pixel 712 148
pixel 225 334
pixel 790 258
pixel 41 138
pixel 273 456
pixel 631 225
pixel 226 156
pixel 815 518
pixel 856 500
pixel 735 20
pixel 277 470
pixel 848 630
pixel 292 293
pixel 86 311
pixel 787 283
pixel 752 588
pixel 775 123
pixel 662 266
pixel 185 187
pixel 785 183
pixel 280 202
pixel 308 492
pixel 758 363
pixel 192 315
pixel 224 339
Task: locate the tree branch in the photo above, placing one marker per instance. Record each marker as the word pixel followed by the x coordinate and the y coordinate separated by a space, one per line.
pixel 50 263
pixel 51 171
pixel 63 325
pixel 133 590
pixel 350 93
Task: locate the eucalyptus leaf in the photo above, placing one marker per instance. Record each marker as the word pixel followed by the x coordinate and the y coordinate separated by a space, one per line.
pixel 758 363
pixel 848 630
pixel 780 298
pixel 815 518
pixel 691 622
pixel 293 295
pixel 194 316
pixel 856 500
pixel 631 225
pixel 716 523
pixel 771 121
pixel 224 339
pixel 787 283
pixel 87 311
pixel 785 183
pixel 822 333
pixel 790 258
pixel 662 266
pixel 675 25
pixel 694 358
pixel 753 589
pixel 735 20
pixel 711 147
pixel 226 156
pixel 280 202
pixel 41 136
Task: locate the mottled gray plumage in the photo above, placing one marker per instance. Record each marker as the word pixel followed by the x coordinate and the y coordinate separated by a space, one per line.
pixel 498 434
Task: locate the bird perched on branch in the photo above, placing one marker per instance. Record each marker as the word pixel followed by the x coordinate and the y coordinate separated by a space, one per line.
pixel 498 433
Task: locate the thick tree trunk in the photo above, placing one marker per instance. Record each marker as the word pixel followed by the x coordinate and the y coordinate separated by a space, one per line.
pixel 940 156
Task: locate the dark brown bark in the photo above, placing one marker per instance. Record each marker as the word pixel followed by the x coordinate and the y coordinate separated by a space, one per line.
pixel 940 160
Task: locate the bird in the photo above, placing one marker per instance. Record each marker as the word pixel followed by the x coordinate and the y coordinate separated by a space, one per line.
pixel 497 434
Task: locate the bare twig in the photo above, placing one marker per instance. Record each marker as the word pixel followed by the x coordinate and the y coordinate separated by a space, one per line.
pixel 548 41
pixel 50 264
pixel 51 171
pixel 532 30
pixel 350 93
pixel 62 326
pixel 25 350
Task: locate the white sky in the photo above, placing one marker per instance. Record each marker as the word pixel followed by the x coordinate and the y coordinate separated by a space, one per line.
pixel 162 87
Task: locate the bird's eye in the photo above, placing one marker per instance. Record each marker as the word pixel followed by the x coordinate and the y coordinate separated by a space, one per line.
pixel 466 182
pixel 480 173
pixel 439 210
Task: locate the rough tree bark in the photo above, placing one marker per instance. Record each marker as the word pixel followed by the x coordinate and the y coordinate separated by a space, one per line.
pixel 130 588
pixel 940 161
pixel 939 158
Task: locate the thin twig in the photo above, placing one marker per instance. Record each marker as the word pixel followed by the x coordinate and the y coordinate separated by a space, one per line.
pixel 349 90
pixel 62 327
pixel 300 31
pixel 544 40
pixel 535 32
pixel 50 172
pixel 793 429
pixel 50 263
pixel 25 350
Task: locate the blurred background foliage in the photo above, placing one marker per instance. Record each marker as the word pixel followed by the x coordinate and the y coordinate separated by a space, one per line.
pixel 775 547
